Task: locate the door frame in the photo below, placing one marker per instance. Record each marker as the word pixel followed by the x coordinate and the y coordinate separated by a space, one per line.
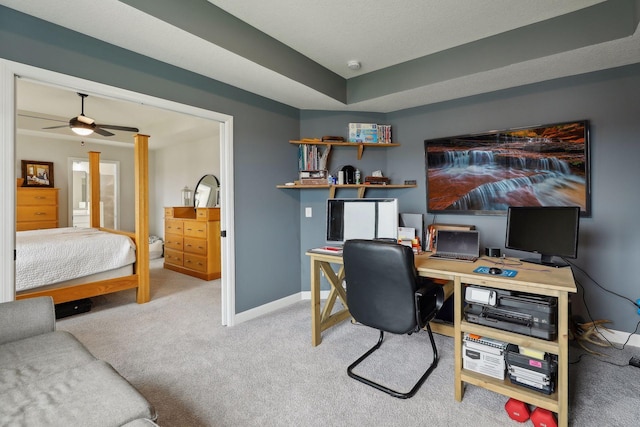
pixel 9 71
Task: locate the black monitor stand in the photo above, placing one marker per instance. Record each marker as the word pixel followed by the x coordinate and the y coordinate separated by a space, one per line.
pixel 546 260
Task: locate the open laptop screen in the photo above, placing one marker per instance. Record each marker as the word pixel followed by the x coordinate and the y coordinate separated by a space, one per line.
pixel 458 242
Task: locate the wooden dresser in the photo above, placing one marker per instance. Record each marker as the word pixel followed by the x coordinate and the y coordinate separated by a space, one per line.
pixel 36 208
pixel 192 241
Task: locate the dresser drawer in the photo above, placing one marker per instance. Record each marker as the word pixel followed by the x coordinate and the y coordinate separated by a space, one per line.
pixel 195 262
pixel 195 246
pixel 174 226
pixel 208 213
pixel 37 213
pixel 195 229
pixel 173 257
pixel 173 241
pixel 35 196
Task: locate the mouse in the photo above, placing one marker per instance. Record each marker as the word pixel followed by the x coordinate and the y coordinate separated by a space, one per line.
pixel 495 270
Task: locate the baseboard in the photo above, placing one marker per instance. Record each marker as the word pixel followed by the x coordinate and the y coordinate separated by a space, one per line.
pixel 275 305
pixel 618 337
pixel 307 295
pixel 267 308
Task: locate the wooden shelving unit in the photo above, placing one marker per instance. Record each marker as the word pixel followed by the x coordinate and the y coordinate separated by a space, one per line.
pixel 362 188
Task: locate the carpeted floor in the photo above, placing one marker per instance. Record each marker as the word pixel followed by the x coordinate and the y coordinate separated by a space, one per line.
pixel 266 373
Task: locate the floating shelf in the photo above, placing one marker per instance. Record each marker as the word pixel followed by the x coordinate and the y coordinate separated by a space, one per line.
pixel 360 145
pixel 333 187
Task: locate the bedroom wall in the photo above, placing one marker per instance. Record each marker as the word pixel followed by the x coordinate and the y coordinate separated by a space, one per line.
pixel 59 151
pixel 183 163
pixel 264 249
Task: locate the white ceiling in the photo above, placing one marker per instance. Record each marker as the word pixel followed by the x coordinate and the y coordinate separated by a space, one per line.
pixel 379 34
pixel 40 105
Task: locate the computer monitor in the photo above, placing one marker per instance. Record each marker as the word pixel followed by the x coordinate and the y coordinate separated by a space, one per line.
pixel 361 219
pixel 547 230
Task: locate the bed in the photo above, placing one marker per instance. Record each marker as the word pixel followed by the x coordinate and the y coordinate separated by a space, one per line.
pixel 64 264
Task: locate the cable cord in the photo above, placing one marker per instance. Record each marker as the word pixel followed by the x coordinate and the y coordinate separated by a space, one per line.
pixel 589 311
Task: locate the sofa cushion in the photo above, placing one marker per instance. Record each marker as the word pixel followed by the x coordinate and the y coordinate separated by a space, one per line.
pixel 40 356
pixel 92 394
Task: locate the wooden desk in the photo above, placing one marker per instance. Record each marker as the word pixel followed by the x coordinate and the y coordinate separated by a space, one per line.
pixel 531 278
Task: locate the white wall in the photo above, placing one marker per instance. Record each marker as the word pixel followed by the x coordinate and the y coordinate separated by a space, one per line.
pixel 58 151
pixel 175 166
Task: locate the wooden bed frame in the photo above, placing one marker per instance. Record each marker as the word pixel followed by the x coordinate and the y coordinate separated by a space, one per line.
pixel 140 277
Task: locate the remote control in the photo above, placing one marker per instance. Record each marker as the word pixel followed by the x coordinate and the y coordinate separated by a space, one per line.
pixel 635 361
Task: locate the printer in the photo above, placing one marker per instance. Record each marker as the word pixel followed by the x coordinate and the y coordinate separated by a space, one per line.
pixel 519 312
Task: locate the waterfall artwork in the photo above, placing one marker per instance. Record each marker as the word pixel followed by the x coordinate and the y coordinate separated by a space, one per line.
pixel 486 173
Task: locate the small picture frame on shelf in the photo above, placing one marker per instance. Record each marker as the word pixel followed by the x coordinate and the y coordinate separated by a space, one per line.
pixel 37 174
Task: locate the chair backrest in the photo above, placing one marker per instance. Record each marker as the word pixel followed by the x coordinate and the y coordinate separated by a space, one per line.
pixel 381 283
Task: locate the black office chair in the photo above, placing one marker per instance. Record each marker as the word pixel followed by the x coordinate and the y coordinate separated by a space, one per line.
pixel 384 292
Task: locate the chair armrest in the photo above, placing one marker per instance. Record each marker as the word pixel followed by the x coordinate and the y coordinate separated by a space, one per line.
pixel 429 290
pixel 26 318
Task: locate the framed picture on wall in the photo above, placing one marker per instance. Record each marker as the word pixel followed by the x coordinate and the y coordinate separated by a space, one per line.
pixel 37 174
pixel 546 165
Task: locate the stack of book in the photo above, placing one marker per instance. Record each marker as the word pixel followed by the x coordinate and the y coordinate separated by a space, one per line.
pixel 311 158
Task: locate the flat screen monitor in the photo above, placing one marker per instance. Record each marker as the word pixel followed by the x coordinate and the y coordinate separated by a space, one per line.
pixel 548 231
pixel 361 219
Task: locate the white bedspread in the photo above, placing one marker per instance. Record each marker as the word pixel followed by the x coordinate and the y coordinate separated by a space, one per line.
pixel 54 255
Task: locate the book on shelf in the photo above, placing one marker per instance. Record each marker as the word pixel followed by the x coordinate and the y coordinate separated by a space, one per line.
pixel 311 157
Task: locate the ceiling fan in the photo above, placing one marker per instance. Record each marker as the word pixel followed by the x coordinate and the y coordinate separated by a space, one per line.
pixel 83 125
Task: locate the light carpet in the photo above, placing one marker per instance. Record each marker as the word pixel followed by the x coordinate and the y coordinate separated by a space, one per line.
pixel 265 372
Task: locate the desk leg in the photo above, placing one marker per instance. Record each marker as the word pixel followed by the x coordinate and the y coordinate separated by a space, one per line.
pixel 316 337
pixel 458 386
pixel 563 359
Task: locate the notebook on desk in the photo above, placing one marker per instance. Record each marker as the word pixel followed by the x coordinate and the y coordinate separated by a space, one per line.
pixel 457 245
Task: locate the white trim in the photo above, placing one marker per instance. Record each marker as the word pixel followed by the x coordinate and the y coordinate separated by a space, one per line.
pixel 227 209
pixel 307 295
pixel 618 337
pixel 268 308
pixel 8 71
pixel 7 183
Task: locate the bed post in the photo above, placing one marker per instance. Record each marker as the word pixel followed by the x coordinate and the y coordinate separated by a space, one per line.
pixel 94 174
pixel 142 215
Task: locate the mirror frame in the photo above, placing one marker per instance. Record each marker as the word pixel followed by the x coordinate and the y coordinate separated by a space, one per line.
pixel 195 191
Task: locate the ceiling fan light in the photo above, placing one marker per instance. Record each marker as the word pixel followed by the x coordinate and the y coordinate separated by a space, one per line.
pixel 82 131
pixel 81 128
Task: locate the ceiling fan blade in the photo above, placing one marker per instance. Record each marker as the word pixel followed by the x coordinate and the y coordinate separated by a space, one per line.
pixel 115 127
pixel 102 132
pixel 57 127
pixel 41 118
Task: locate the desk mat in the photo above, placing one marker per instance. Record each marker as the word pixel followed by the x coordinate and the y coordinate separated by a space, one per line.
pixel 505 272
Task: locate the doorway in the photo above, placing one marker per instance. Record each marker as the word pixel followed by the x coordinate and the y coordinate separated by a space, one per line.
pixel 9 71
pixel 80 197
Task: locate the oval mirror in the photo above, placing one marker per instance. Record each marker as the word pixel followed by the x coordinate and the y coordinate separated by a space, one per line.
pixel 207 192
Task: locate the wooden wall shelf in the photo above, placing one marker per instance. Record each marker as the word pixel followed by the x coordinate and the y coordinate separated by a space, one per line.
pixel 360 145
pixel 333 187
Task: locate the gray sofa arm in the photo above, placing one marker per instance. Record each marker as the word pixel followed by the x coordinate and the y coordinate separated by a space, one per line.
pixel 26 318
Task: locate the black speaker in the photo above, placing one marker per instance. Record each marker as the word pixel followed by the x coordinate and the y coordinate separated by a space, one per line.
pixel 492 252
pixel 349 174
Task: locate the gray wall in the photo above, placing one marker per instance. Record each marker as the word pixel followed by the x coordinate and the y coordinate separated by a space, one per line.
pixel 262 156
pixel 609 240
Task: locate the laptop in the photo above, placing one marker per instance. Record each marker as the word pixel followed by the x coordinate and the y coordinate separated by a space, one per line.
pixel 457 245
